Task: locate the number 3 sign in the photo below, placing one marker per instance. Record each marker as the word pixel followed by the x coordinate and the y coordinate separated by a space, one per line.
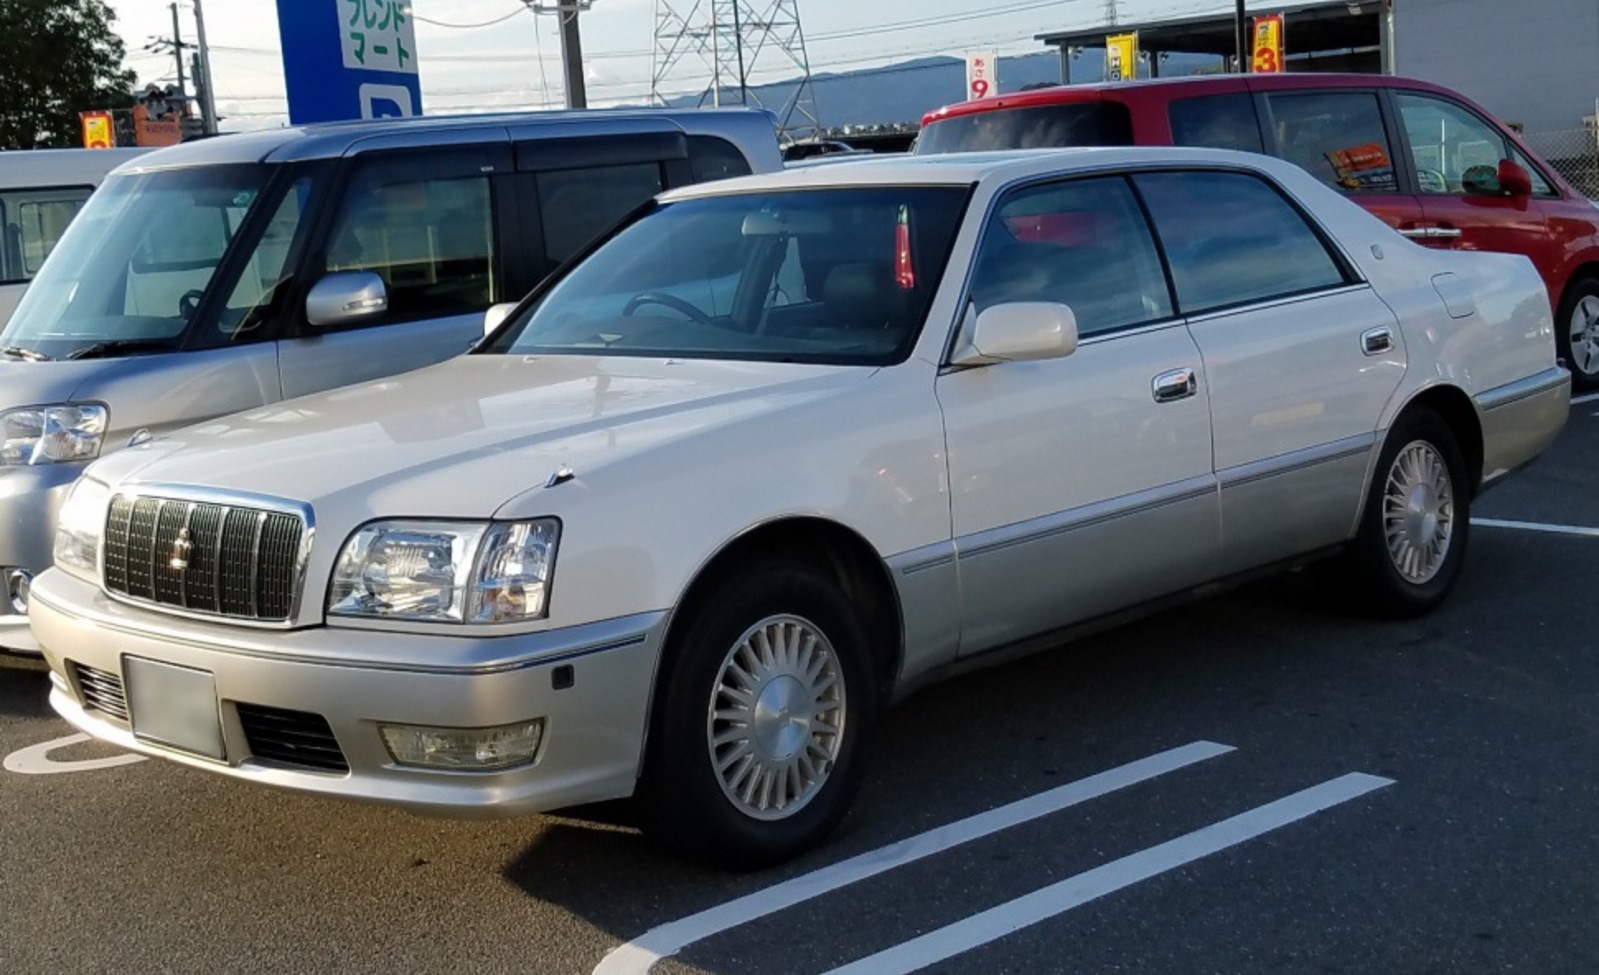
pixel 1268 46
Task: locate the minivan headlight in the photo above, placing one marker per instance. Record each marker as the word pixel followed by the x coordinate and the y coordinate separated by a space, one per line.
pixel 58 434
pixel 448 572
pixel 79 525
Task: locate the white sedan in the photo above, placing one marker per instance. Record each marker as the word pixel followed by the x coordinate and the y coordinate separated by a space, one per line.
pixel 778 451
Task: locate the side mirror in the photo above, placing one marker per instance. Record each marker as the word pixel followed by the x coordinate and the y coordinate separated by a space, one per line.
pixel 1017 332
pixel 345 296
pixel 1514 179
pixel 496 316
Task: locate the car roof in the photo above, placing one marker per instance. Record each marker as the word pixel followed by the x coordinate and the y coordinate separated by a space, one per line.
pixel 1166 89
pixel 329 140
pixel 22 168
pixel 967 168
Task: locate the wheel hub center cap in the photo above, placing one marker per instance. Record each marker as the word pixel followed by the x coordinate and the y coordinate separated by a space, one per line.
pixel 1421 514
pixel 782 719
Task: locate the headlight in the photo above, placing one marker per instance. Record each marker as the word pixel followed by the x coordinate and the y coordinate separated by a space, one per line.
pixel 446 571
pixel 51 434
pixel 79 527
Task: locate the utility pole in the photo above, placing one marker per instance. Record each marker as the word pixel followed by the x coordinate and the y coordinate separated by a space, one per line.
pixel 177 51
pixel 571 45
pixel 202 78
pixel 1242 26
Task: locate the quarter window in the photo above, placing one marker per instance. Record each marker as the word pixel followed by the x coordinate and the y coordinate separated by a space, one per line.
pixel 31 221
pixel 577 205
pixel 711 158
pixel 1084 244
pixel 431 239
pixel 1216 122
pixel 257 298
pixel 1338 136
pixel 1455 152
pixel 1231 239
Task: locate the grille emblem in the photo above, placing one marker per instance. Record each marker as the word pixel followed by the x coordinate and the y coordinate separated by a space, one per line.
pixel 181 549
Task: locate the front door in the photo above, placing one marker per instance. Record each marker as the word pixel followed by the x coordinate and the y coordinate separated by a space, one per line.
pixel 1074 491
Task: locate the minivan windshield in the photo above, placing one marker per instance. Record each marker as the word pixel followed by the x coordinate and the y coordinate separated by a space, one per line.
pixel 1034 127
pixel 130 270
pixel 838 276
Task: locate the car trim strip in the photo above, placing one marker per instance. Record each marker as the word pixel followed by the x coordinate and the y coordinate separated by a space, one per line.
pixel 1534 385
pixel 1084 516
pixel 1295 460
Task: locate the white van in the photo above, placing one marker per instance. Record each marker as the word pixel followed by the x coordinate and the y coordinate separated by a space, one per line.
pixel 41 190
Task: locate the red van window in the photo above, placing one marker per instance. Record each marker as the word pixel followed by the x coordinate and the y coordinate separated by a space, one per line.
pixel 1033 127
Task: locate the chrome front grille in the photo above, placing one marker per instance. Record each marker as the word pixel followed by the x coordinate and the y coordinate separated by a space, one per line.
pixel 102 691
pixel 205 557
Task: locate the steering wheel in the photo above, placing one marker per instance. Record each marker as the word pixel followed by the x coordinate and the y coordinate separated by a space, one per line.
pixel 189 303
pixel 671 301
pixel 1431 181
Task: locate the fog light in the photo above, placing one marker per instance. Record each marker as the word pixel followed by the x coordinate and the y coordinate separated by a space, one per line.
pixel 18 582
pixel 465 749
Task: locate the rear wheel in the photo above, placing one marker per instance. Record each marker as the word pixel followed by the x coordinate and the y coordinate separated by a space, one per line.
pixel 1413 533
pixel 765 712
pixel 1577 332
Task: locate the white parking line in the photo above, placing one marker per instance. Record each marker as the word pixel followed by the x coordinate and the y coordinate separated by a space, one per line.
pixel 1057 898
pixel 1579 400
pixel 36 760
pixel 1536 526
pixel 636 957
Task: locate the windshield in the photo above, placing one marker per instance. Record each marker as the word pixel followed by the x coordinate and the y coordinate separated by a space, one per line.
pixel 132 267
pixel 841 276
pixel 1038 127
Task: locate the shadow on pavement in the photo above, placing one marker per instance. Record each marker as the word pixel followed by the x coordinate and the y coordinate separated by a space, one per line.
pixel 24 687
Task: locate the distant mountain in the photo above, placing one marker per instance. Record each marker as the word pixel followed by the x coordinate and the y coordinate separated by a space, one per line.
pixel 903 93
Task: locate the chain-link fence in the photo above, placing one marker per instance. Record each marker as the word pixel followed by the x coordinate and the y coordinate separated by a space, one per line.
pixel 1574 152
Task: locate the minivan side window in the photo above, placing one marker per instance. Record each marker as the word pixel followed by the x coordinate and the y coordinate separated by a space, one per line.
pixel 1082 243
pixel 430 238
pixel 31 221
pixel 1338 136
pixel 1216 122
pixel 1231 238
pixel 257 297
pixel 1456 153
pixel 577 205
pixel 711 158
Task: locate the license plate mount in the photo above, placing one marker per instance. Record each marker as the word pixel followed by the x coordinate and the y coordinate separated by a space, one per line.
pixel 175 706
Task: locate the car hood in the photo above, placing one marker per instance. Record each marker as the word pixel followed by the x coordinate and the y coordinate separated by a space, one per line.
pixel 462 438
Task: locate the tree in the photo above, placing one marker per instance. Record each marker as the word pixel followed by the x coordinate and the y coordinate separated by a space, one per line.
pixel 61 57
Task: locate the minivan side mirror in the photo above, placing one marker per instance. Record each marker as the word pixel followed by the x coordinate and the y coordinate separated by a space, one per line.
pixel 496 316
pixel 1514 179
pixel 345 296
pixel 1019 331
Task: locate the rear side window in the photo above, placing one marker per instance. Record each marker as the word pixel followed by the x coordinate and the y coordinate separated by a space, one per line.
pixel 1231 239
pixel 1035 127
pixel 31 221
pixel 577 205
pixel 1216 122
pixel 1338 136
pixel 711 158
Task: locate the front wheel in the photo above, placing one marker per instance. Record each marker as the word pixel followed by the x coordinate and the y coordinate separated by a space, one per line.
pixel 1412 538
pixel 764 714
pixel 1577 332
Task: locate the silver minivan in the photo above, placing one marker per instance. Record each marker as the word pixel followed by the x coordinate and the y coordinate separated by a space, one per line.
pixel 218 276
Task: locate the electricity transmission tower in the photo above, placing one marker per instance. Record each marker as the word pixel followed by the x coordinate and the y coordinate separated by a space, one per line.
pixel 732 39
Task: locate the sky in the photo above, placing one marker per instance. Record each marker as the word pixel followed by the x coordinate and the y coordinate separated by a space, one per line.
pixel 477 55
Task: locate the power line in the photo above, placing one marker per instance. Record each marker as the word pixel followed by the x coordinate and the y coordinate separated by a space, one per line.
pixel 487 23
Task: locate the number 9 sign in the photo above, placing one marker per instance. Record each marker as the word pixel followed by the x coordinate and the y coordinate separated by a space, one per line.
pixel 981 74
pixel 979 87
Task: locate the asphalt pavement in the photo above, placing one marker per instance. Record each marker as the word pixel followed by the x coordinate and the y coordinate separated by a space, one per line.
pixel 1257 782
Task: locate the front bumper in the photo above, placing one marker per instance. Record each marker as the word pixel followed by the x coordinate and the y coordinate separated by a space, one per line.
pixel 29 500
pixel 356 679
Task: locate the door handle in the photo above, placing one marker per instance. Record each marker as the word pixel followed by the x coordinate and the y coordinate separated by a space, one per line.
pixel 1444 233
pixel 1376 341
pixel 1174 384
pixel 1416 233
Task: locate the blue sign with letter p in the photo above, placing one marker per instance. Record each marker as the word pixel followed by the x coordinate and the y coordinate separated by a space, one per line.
pixel 349 59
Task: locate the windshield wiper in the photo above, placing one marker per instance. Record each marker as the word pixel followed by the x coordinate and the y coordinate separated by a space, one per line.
pixel 20 353
pixel 110 347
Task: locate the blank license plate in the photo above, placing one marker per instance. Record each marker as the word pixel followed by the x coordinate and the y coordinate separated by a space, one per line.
pixel 175 706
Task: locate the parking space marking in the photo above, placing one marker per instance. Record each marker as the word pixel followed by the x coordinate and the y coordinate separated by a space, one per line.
pixel 637 956
pixel 1536 526
pixel 36 760
pixel 1579 400
pixel 1057 898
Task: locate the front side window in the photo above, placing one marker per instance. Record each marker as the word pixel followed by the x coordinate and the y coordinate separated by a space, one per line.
pixel 840 276
pixel 256 301
pixel 31 223
pixel 577 205
pixel 1033 127
pixel 1216 122
pixel 1083 244
pixel 429 237
pixel 1455 152
pixel 1338 136
pixel 130 270
pixel 1231 239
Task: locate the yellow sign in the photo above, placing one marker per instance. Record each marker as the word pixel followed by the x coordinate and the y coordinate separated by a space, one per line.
pixel 1121 57
pixel 97 132
pixel 1268 58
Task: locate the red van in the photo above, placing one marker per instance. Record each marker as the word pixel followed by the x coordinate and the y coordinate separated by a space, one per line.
pixel 1425 159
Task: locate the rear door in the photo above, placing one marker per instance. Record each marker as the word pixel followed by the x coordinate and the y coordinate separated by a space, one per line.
pixel 429 222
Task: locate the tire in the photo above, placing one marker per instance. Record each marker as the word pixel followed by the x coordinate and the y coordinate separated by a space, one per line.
pixel 1420 489
pixel 1577 332
pixel 767 639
